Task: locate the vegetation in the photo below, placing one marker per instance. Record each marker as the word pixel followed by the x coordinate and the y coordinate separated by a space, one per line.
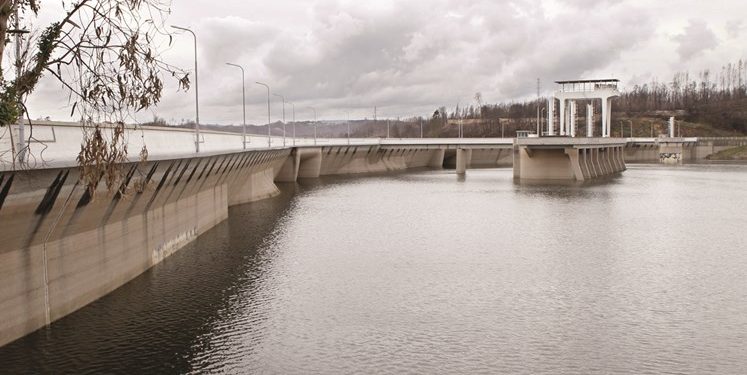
pixel 102 52
pixel 706 104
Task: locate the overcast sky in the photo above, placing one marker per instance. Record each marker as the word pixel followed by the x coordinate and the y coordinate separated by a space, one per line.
pixel 409 57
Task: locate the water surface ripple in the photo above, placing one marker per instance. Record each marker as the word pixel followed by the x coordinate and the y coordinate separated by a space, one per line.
pixel 424 273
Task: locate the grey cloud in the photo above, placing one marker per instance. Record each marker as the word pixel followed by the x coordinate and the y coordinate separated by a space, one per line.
pixel 408 57
pixel 232 38
pixel 550 52
pixel 697 37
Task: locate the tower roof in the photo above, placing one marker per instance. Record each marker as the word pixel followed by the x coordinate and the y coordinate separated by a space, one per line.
pixel 588 81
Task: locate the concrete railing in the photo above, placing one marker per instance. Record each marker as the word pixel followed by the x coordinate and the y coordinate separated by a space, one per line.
pixel 563 141
pixel 57 144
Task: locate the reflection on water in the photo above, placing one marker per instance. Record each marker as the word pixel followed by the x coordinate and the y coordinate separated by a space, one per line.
pixel 422 272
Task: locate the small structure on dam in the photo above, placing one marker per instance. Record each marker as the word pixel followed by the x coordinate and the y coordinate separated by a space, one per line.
pixel 590 90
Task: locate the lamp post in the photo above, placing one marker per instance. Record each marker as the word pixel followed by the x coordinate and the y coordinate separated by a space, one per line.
pixel 293 106
pixel 269 134
pixel 283 99
pixel 375 127
pixel 243 101
pixel 348 121
pixel 459 120
pixel 421 127
pixel 631 128
pixel 314 109
pixel 197 91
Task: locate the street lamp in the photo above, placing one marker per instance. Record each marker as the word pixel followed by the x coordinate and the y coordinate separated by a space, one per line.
pixel 459 120
pixel 269 134
pixel 243 98
pixel 314 109
pixel 283 99
pixel 293 106
pixel 197 91
pixel 348 117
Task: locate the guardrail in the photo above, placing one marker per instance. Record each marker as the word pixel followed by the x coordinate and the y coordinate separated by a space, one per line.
pixel 57 144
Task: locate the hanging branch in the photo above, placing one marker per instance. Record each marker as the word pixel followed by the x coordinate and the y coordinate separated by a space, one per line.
pixel 106 54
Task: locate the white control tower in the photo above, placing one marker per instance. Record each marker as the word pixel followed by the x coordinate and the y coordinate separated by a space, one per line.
pixel 569 92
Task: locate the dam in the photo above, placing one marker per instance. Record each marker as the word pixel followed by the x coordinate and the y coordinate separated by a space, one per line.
pixel 64 248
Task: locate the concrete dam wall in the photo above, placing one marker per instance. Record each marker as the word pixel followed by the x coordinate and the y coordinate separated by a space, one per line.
pixel 63 248
pixel 653 150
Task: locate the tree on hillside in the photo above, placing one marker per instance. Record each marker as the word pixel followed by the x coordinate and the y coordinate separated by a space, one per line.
pixel 105 55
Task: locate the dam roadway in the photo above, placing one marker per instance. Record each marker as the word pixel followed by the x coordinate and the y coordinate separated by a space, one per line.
pixel 63 248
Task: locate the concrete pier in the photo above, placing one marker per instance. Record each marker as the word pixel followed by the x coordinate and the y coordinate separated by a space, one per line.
pixel 567 159
pixel 463 158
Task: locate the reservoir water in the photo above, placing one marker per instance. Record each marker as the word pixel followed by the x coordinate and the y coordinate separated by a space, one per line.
pixel 424 272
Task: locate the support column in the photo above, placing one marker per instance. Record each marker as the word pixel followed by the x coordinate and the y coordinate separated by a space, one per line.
pixel 463 158
pixel 289 171
pixel 620 160
pixel 590 163
pixel 551 116
pixel 599 171
pixel 616 159
pixel 437 159
pixel 575 163
pixel 609 117
pixel 572 123
pixel 583 162
pixel 589 120
pixel 598 160
pixel 609 168
pixel 604 116
pixel 613 159
pixel 310 162
pixel 561 115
